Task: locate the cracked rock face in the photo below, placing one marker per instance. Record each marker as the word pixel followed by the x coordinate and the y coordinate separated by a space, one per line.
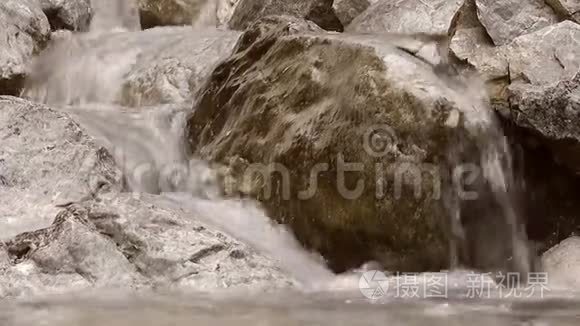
pixel 506 20
pixel 403 16
pixel 46 159
pixel 185 12
pixel 347 10
pixel 124 242
pixel 74 15
pixel 24 31
pixel 319 11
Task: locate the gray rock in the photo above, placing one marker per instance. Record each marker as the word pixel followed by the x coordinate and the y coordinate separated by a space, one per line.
pixel 551 112
pixel 569 9
pixel 74 15
pixel 403 16
pixel 24 31
pixel 506 20
pixel 546 56
pixel 319 11
pixel 347 10
pixel 124 242
pixel 178 12
pixel 562 265
pixel 46 159
pixel 156 66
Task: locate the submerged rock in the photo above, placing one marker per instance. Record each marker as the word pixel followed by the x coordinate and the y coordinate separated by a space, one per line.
pixel 74 15
pixel 319 11
pixel 291 113
pixel 506 20
pixel 24 31
pixel 46 160
pixel 562 265
pixel 403 16
pixel 123 242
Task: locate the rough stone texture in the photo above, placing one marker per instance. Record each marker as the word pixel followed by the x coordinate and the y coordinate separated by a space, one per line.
pixel 562 263
pixel 319 11
pixel 74 15
pixel 551 112
pixel 547 56
pixel 46 159
pixel 506 20
pixel 568 9
pixel 347 10
pixel 123 242
pixel 185 12
pixel 156 66
pixel 404 16
pixel 24 30
pixel 298 100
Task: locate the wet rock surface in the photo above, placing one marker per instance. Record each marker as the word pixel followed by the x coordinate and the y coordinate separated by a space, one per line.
pixel 46 160
pixel 189 12
pixel 562 263
pixel 347 10
pixel 157 66
pixel 24 31
pixel 319 11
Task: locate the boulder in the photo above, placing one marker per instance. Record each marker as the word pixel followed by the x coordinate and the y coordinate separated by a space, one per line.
pixel 287 111
pixel 568 9
pixel 562 265
pixel 46 160
pixel 185 12
pixel 24 31
pixel 347 10
pixel 319 11
pixel 124 242
pixel 403 16
pixel 546 56
pixel 156 66
pixel 74 15
pixel 506 20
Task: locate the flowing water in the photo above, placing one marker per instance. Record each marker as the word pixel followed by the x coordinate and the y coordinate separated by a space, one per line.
pixel 148 147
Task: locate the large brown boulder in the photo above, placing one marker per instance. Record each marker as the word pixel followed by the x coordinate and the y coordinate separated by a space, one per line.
pixel 292 106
